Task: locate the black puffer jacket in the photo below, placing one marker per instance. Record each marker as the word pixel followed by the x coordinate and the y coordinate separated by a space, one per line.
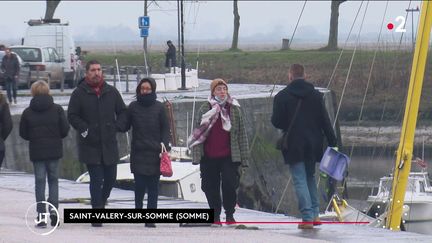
pixel 44 125
pixel 150 127
pixel 305 141
pixel 5 122
pixel 97 116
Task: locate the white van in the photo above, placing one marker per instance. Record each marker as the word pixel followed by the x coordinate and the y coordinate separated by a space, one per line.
pixel 52 33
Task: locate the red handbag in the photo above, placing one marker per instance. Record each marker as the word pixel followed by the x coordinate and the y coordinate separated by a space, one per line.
pixel 165 162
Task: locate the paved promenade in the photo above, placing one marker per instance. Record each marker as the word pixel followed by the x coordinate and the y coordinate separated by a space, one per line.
pixel 17 194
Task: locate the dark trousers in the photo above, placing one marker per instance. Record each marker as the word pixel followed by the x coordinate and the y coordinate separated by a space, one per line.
pixel 102 179
pixel 147 183
pixel 2 155
pixel 11 89
pixel 213 172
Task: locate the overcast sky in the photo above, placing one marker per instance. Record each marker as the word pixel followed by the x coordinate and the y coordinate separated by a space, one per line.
pixel 205 20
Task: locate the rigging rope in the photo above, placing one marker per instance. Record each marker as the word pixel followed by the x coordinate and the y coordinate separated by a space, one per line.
pixel 350 66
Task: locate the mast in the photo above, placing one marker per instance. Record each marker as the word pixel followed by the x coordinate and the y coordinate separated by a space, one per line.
pixel 406 144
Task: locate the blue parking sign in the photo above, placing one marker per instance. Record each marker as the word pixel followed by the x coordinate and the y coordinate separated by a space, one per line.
pixel 144 32
pixel 144 22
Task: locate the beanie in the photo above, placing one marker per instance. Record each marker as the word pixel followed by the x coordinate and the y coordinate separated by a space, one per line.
pixel 215 83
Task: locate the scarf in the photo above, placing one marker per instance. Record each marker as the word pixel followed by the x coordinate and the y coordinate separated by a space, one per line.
pixel 96 87
pixel 146 99
pixel 208 119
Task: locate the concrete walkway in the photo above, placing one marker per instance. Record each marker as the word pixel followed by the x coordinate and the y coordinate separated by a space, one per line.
pixel 17 195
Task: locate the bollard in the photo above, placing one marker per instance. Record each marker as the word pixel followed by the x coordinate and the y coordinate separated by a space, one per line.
pixel 127 79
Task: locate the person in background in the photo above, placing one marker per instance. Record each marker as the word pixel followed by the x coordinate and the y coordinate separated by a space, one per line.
pixel 219 144
pixel 5 125
pixel 44 125
pixel 150 128
pixel 94 107
pixel 170 56
pixel 11 67
pixel 303 106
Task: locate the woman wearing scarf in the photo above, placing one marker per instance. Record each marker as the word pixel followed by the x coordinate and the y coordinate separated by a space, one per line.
pixel 219 144
pixel 150 128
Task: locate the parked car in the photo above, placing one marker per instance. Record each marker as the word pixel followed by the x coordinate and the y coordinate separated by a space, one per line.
pixel 24 74
pixel 45 64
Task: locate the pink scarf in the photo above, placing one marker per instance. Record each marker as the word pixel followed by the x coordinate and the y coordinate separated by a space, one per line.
pixel 209 118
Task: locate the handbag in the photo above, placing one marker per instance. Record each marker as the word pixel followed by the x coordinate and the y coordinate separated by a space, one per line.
pixel 165 162
pixel 282 142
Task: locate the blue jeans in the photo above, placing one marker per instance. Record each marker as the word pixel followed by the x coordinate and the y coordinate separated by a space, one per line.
pixel 147 183
pixel 102 180
pixel 11 89
pixel 306 190
pixel 42 170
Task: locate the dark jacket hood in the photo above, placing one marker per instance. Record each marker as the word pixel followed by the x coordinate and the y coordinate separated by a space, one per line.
pixel 300 88
pixel 41 102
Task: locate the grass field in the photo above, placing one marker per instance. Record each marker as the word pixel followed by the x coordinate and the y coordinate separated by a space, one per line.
pixel 386 91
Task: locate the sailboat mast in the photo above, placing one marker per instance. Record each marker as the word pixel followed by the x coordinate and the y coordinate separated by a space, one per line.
pixel 406 144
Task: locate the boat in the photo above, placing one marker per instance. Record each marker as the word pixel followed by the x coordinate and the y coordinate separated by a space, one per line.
pixel 418 197
pixel 185 183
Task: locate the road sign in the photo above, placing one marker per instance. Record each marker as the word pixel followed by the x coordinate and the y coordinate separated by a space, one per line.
pixel 144 22
pixel 144 32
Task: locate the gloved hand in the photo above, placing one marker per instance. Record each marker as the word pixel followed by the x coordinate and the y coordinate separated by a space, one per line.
pixel 335 148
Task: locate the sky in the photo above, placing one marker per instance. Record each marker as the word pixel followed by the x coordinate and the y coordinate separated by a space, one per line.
pixel 206 20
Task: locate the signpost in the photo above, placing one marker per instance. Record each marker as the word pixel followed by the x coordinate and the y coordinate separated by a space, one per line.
pixel 144 25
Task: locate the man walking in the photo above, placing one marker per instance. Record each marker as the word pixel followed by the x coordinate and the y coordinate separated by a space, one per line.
pixel 300 112
pixel 11 67
pixel 93 109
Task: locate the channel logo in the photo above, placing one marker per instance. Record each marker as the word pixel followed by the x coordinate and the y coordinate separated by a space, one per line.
pixel 41 218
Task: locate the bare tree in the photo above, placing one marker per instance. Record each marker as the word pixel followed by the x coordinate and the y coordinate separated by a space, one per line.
pixel 234 45
pixel 334 23
pixel 51 6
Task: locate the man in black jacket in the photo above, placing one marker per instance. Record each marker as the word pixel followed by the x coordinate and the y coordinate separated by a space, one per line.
pixel 11 67
pixel 93 109
pixel 299 110
pixel 170 56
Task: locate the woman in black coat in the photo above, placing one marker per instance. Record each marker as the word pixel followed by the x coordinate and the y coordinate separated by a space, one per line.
pixel 44 125
pixel 5 125
pixel 150 128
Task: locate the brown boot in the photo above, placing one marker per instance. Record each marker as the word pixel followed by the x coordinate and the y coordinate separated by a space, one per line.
pixel 317 221
pixel 305 225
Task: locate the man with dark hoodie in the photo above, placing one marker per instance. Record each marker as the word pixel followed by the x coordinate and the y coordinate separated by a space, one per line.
pixel 11 67
pixel 150 128
pixel 94 107
pixel 299 110
pixel 44 125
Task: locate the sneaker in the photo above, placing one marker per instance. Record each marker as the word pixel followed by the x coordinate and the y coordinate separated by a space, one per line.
pixel 317 222
pixel 230 220
pixel 150 225
pixel 96 224
pixel 305 225
pixel 41 224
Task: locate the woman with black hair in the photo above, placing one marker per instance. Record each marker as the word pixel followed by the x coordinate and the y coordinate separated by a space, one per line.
pixel 150 128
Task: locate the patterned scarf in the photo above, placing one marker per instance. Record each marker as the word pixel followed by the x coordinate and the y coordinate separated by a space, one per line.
pixel 209 118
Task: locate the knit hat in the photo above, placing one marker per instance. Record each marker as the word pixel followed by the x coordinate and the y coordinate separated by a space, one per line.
pixel 215 83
